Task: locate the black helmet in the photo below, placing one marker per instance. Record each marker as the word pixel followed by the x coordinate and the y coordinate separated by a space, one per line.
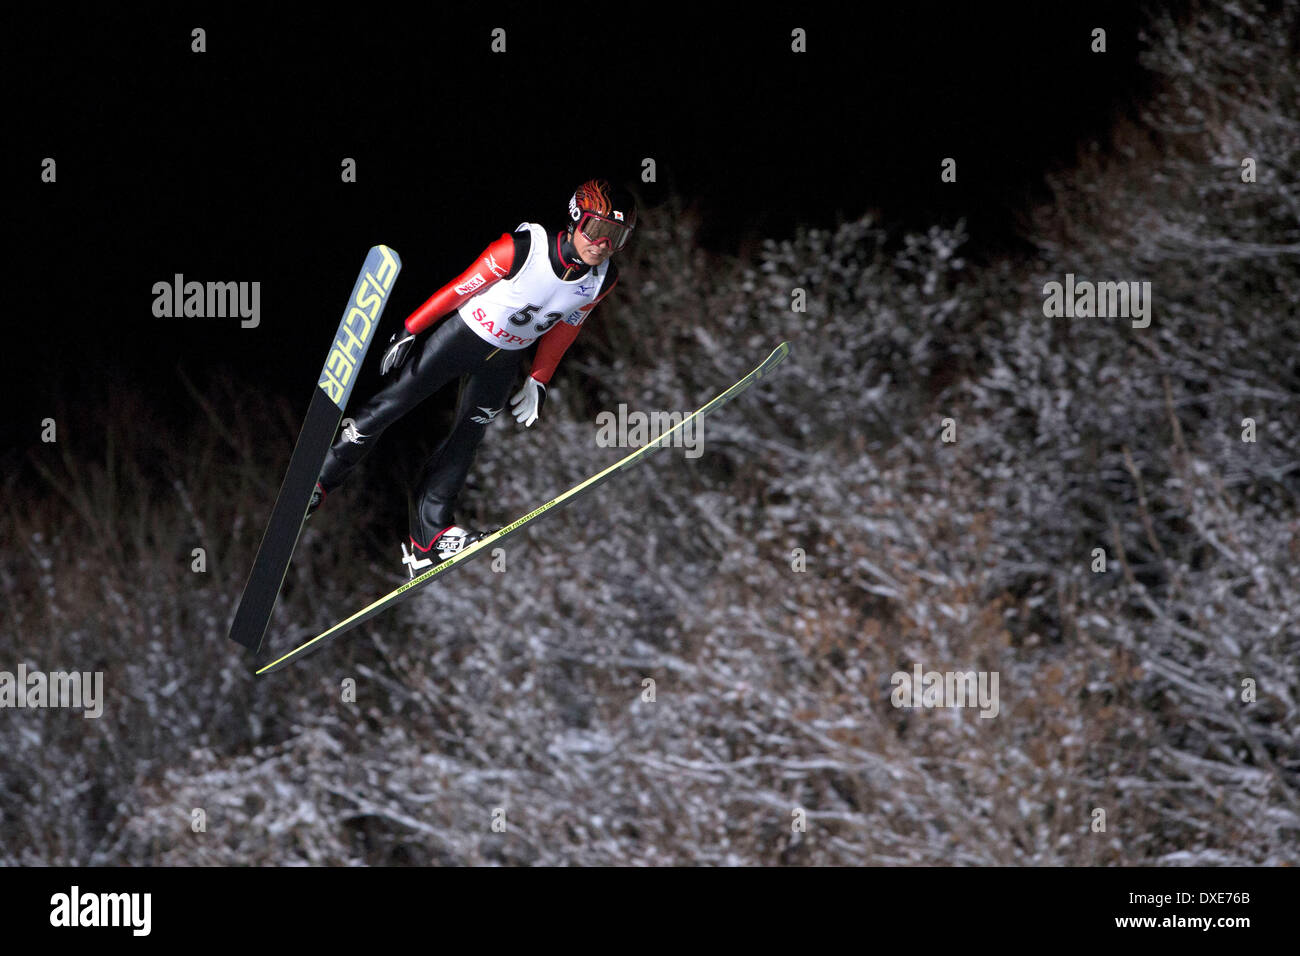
pixel 602 211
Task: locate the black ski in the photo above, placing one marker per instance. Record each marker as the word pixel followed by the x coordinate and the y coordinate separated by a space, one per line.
pixel 485 544
pixel 355 332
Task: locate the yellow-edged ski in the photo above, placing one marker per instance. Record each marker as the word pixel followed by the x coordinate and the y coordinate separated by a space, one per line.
pixel 486 543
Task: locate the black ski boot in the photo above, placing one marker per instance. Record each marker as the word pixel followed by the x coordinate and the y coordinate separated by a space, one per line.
pixel 449 542
pixel 317 496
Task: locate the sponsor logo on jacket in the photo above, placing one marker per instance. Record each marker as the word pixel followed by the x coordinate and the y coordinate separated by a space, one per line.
pixel 465 288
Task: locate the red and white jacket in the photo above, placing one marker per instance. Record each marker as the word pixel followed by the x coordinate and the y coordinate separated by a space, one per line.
pixel 512 296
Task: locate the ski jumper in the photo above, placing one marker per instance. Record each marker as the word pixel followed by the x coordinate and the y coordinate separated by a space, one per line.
pixel 527 288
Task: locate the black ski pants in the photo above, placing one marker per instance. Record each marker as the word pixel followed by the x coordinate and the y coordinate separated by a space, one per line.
pixel 452 350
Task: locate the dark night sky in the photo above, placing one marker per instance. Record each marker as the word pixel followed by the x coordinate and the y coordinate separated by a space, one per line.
pixel 224 166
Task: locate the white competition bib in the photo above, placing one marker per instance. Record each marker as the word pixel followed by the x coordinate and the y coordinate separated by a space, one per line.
pixel 514 313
